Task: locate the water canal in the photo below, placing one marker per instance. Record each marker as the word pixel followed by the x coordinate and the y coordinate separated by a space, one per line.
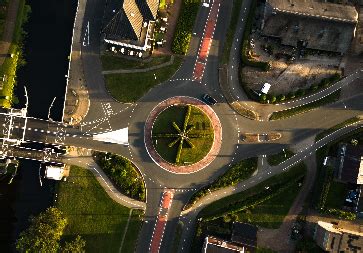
pixel 46 51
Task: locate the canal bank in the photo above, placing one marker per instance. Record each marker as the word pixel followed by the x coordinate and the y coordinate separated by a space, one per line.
pixel 46 50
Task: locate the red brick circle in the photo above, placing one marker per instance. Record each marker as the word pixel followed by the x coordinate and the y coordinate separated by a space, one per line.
pixel 184 169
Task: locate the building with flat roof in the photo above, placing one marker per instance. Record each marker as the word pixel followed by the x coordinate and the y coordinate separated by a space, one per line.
pixel 339 238
pixel 130 23
pixel 351 169
pixel 215 245
pixel 311 24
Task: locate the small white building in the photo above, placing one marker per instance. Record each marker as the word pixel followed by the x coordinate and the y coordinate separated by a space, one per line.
pixel 54 172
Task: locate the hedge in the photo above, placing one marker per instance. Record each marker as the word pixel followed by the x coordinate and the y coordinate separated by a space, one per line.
pixel 238 172
pixel 345 123
pixel 123 174
pixel 340 213
pixel 331 98
pixel 184 27
pixel 328 177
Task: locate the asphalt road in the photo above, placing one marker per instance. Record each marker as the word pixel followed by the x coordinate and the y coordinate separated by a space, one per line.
pixel 105 114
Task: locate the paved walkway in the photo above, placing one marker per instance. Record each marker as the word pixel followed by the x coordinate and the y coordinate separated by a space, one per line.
pixel 216 124
pixel 77 98
pixel 128 71
pixel 9 27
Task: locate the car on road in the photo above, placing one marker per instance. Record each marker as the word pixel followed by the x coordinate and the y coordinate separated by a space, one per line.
pixel 209 99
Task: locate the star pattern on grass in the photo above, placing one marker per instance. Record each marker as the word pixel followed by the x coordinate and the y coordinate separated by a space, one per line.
pixel 182 135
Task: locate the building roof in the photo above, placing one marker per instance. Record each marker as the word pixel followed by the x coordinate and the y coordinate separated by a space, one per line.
pixel 318 34
pixel 215 245
pixel 128 18
pixel 245 234
pixel 352 170
pixel 311 8
pixel 54 172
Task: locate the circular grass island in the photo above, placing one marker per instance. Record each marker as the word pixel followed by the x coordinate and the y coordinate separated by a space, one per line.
pixel 182 135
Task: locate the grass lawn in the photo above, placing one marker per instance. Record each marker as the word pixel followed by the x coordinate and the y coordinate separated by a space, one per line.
pixel 337 193
pixel 216 219
pixel 221 205
pixel 131 87
pixel 272 212
pixel 93 215
pixel 280 157
pixel 231 30
pixel 164 125
pixel 306 107
pixel 112 62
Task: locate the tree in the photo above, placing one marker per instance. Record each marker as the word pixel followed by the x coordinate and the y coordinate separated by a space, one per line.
pixel 44 232
pixel 75 246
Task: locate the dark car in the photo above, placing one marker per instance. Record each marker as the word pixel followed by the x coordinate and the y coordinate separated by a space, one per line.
pixel 209 100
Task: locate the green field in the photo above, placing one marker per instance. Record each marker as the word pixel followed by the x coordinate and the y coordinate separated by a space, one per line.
pixel 198 124
pixel 279 181
pixel 93 215
pixel 271 213
pixel 131 87
pixel 337 193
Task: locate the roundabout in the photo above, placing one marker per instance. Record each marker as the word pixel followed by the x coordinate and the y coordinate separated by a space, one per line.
pixel 182 135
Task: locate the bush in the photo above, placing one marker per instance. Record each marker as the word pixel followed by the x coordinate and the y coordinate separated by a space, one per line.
pixel 300 93
pixel 123 174
pixel 281 98
pixel 184 27
pixel 291 95
pixel 263 98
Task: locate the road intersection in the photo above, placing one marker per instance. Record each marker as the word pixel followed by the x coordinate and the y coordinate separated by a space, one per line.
pixel 105 114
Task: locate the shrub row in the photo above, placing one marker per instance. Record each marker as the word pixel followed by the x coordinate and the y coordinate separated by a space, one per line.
pixel 123 174
pixel 246 60
pixel 326 132
pixel 184 27
pixel 324 83
pixel 328 177
pixel 238 172
pixel 306 107
pixel 340 213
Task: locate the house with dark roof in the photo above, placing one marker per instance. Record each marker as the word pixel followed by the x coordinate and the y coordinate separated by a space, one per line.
pixel 312 24
pixel 351 168
pixel 130 24
pixel 245 234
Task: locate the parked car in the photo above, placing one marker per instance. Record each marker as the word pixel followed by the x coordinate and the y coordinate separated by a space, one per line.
pixel 209 99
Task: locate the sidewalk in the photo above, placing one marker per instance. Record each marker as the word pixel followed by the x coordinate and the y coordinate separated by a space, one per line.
pixel 77 102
